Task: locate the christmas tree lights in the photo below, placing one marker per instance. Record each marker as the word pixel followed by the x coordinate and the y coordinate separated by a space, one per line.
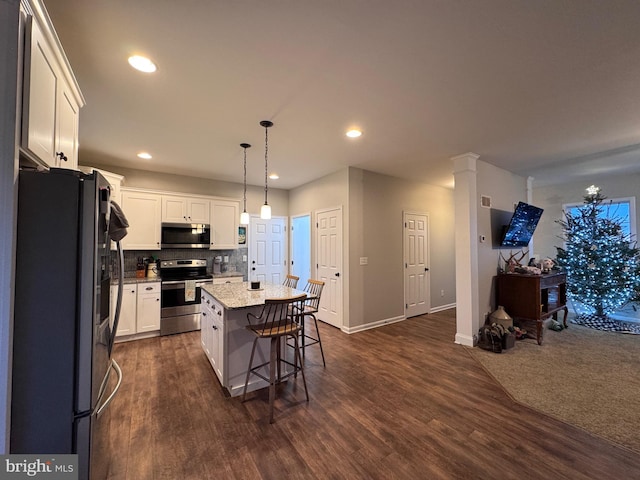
pixel 602 262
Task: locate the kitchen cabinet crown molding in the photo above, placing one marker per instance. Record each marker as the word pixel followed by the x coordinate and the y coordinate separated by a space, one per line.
pixel 178 194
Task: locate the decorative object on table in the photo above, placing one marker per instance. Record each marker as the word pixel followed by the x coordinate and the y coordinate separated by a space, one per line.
pixel 547 265
pixel 512 264
pixel 265 211
pixel 244 216
pixel 602 262
pixel 255 285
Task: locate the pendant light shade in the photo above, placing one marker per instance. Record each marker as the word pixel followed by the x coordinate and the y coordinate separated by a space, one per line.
pixel 265 211
pixel 244 216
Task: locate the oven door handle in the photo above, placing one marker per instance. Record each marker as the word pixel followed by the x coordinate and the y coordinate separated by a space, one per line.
pixel 178 284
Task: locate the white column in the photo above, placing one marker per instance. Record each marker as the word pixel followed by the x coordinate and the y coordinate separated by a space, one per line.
pixel 466 243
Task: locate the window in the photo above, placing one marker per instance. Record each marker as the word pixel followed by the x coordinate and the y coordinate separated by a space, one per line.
pixel 620 209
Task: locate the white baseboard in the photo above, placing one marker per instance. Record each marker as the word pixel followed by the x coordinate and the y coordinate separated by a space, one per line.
pixel 465 340
pixel 369 326
pixel 442 308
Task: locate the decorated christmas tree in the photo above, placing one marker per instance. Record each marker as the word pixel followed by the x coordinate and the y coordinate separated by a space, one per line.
pixel 601 260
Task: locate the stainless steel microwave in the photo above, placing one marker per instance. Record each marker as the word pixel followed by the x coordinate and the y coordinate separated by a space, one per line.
pixel 186 235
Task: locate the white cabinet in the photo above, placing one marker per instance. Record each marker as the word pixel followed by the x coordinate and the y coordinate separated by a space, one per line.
pixel 127 321
pixel 224 224
pixel 51 96
pixel 143 211
pixel 178 209
pixel 148 307
pixel 212 333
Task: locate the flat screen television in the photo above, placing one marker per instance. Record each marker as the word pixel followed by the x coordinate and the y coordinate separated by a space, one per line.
pixel 521 226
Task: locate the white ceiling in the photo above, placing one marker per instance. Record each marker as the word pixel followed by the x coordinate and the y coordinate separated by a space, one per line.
pixel 547 88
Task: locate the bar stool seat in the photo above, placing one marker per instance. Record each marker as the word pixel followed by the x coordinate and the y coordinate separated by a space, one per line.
pixel 280 318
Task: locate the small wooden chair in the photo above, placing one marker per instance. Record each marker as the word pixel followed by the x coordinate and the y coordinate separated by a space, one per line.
pixel 291 281
pixel 275 322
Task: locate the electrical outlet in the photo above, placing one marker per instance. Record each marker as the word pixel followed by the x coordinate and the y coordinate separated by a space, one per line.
pixel 442 293
pixel 364 260
pixel 244 258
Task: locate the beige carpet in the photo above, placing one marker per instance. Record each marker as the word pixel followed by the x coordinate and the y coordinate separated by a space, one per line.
pixel 582 376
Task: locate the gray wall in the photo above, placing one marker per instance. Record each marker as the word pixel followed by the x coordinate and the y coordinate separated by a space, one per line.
pixel 373 205
pixel 505 189
pixel 9 14
pixel 552 197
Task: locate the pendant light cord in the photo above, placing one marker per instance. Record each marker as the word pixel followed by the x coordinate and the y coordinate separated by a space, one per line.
pixel 266 169
pixel 244 194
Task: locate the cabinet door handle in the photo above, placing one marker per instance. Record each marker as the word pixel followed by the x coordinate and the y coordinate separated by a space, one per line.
pixel 204 314
pixel 61 155
pixel 149 288
pixel 214 327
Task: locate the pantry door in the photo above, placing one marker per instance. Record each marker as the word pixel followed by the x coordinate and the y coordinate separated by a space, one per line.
pixel 268 249
pixel 329 266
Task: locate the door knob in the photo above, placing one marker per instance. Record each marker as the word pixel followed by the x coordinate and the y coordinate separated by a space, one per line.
pixel 337 274
pixel 426 269
pixel 253 268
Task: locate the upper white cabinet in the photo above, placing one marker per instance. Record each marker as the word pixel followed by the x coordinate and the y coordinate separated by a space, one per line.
pixel 224 224
pixel 143 212
pixel 183 209
pixel 51 96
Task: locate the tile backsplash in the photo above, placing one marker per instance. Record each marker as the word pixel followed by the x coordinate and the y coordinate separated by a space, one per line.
pixel 235 263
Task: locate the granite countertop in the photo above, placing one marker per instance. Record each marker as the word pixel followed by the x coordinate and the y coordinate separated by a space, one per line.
pixel 239 295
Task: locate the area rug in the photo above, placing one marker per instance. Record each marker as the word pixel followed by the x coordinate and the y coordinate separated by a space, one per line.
pixel 586 377
pixel 606 324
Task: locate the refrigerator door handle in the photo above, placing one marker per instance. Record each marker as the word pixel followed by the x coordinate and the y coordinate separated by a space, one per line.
pixel 106 403
pixel 116 316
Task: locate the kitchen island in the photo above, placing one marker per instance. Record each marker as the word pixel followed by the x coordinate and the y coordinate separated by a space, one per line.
pixel 225 340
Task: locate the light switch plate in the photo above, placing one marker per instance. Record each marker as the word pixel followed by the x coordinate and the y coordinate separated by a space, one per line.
pixel 364 260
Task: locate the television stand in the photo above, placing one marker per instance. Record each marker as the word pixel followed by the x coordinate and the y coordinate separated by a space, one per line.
pixel 533 298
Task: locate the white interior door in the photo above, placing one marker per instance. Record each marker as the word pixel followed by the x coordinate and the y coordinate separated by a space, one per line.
pixel 416 263
pixel 267 249
pixel 329 265
pixel 301 248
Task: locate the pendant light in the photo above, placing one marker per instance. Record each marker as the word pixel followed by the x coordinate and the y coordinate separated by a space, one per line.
pixel 265 211
pixel 244 216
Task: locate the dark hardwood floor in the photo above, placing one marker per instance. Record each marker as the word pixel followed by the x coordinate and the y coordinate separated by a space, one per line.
pixel 401 401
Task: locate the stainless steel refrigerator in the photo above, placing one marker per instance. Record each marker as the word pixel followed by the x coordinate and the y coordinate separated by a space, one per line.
pixel 63 375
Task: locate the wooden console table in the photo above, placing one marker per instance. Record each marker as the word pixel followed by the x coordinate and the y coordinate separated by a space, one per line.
pixel 533 297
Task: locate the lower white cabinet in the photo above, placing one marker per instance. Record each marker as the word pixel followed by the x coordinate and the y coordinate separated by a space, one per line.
pixel 140 311
pixel 212 333
pixel 127 321
pixel 148 308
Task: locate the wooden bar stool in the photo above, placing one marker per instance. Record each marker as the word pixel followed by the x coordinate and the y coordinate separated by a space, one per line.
pixel 291 281
pixel 280 318
pixel 311 304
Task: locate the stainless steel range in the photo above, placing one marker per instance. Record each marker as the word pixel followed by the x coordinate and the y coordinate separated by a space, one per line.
pixel 181 284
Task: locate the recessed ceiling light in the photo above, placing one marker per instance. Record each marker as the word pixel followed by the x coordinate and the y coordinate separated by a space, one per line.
pixel 354 133
pixel 274 176
pixel 145 155
pixel 142 63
